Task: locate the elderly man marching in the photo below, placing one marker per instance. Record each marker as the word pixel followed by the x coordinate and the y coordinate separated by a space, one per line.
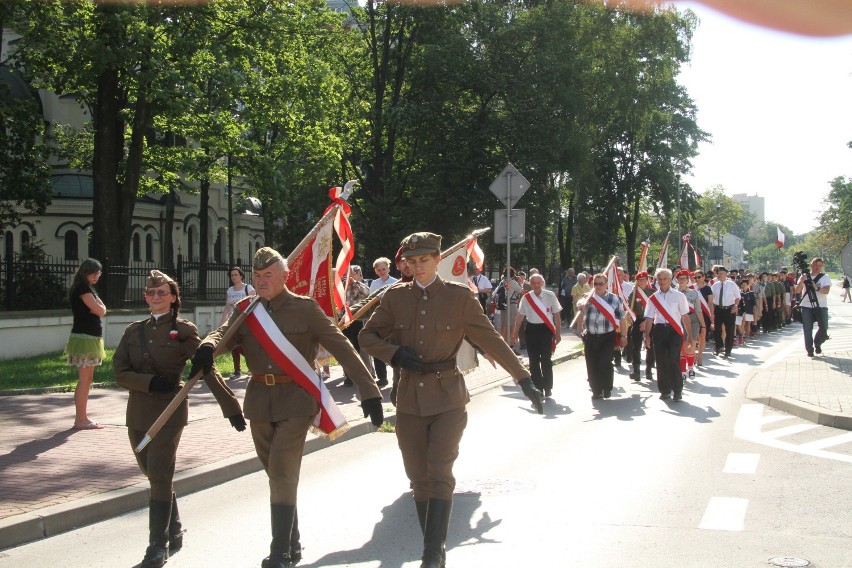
pixel 601 328
pixel 541 310
pixel 668 310
pixel 419 326
pixel 281 401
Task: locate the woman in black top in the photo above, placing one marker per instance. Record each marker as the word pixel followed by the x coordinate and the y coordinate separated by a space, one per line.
pixel 85 347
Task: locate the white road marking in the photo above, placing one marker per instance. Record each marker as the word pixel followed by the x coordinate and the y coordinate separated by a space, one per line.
pixel 790 430
pixel 776 418
pixel 724 514
pixel 748 427
pixel 741 463
pixel 828 442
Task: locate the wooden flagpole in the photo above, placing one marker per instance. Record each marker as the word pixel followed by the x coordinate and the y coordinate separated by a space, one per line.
pixel 184 392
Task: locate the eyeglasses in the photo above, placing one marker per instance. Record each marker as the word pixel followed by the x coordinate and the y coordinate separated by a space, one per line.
pixel 160 293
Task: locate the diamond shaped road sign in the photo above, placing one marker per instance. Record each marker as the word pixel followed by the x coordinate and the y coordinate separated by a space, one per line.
pixel 509 186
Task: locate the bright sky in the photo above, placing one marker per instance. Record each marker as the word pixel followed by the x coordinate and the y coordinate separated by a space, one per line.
pixel 779 109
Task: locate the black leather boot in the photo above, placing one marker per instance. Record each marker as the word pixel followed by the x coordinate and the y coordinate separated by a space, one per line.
pixel 175 528
pixel 295 545
pixel 157 553
pixel 282 530
pixel 435 536
pixel 422 507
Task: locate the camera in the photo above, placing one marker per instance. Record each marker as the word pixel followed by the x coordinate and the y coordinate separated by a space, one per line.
pixel 800 259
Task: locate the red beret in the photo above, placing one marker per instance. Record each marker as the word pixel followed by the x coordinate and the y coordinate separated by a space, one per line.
pixel 640 275
pixel 398 255
pixel 685 273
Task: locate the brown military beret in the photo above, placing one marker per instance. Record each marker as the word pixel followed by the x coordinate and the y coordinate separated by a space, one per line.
pixel 157 279
pixel 420 243
pixel 265 257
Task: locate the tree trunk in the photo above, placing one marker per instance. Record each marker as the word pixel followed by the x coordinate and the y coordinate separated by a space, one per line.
pixel 203 237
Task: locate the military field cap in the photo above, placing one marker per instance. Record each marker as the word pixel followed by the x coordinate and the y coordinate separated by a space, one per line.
pixel 265 257
pixel 641 275
pixel 420 243
pixel 157 279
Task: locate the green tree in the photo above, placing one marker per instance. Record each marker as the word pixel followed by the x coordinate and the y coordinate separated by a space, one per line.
pixel 835 229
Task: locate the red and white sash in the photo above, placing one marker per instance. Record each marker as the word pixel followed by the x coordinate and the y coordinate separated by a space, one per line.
pixel 604 308
pixel 704 307
pixel 329 421
pixel 538 307
pixel 664 310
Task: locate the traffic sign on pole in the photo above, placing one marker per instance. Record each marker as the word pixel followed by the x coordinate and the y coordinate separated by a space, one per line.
pixel 509 186
pixel 501 225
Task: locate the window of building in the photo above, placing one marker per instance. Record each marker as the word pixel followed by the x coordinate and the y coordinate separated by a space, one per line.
pixel 25 240
pixel 217 247
pixel 149 248
pixel 71 245
pixel 10 244
pixel 137 256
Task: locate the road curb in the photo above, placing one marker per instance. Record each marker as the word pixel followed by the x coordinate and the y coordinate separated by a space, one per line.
pixel 806 411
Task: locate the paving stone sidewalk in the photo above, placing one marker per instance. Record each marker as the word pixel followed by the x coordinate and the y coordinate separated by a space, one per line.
pixel 54 478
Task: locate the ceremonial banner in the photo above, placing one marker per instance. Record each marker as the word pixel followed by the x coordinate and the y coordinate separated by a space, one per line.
pixel 643 257
pixel 779 240
pixel 453 268
pixel 684 255
pixel 310 271
pixel 663 260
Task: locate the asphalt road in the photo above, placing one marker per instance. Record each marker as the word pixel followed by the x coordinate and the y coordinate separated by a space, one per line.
pixel 715 480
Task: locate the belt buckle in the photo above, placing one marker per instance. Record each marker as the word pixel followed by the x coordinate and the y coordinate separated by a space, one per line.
pixel 269 378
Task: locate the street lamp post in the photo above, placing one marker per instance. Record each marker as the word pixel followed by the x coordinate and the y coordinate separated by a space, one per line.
pixel 719 255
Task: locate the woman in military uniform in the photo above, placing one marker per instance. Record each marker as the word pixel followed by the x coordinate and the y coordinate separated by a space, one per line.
pixel 419 326
pixel 149 362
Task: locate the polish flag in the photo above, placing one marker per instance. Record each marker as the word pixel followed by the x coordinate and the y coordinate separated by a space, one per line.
pixel 779 240
pixel 310 272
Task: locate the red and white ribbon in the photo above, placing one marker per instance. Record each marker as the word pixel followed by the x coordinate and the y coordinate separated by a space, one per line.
pixel 329 421
pixel 664 310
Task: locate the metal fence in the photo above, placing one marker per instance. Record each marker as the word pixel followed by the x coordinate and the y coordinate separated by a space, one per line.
pixel 40 282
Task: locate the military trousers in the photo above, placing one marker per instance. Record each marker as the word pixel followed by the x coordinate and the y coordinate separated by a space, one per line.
pixel 429 447
pixel 637 337
pixel 157 460
pixel 280 446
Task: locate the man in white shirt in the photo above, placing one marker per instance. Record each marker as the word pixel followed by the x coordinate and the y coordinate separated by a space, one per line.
pixel 483 287
pixel 726 296
pixel 381 266
pixel 668 310
pixel 814 313
pixel 542 332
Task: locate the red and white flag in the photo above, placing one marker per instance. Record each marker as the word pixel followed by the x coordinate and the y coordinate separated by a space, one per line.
pixel 475 253
pixel 311 270
pixel 779 240
pixel 643 257
pixel 663 260
pixel 684 255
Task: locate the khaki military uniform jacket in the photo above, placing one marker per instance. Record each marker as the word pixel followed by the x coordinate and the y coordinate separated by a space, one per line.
pixel 306 326
pixel 145 350
pixel 433 322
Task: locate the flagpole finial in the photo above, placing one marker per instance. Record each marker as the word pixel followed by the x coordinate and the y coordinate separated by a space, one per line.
pixel 347 189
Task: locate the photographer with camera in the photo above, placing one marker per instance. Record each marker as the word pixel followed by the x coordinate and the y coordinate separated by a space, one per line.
pixel 814 302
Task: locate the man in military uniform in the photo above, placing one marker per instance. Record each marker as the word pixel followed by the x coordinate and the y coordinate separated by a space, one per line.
pixel 149 361
pixel 419 326
pixel 637 330
pixel 280 412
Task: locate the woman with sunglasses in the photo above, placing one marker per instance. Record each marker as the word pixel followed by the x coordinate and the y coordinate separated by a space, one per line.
pixel 149 362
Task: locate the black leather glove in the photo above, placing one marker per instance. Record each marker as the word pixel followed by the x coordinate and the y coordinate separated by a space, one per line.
pixel 406 358
pixel 238 422
pixel 202 360
pixel 394 391
pixel 373 408
pixel 532 393
pixel 160 384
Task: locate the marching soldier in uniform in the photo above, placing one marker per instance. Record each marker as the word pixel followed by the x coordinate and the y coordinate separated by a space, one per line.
pixel 149 361
pixel 419 326
pixel 280 412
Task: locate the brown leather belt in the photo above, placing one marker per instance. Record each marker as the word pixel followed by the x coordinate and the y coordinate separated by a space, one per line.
pixel 270 379
pixel 438 367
